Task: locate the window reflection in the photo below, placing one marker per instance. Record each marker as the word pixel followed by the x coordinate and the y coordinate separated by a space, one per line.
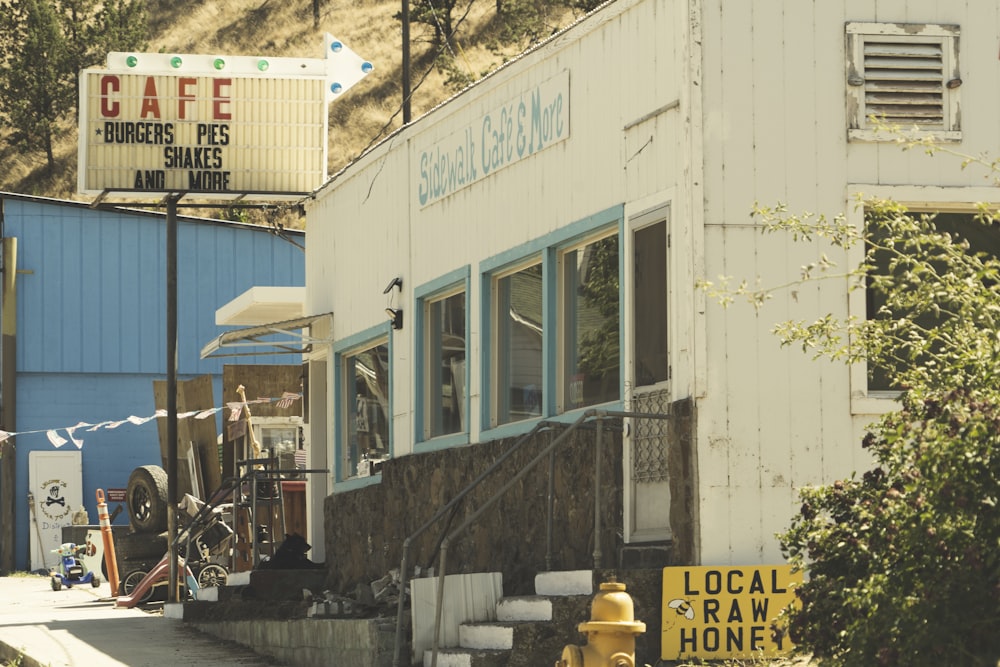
pixel 446 336
pixel 367 407
pixel 590 307
pixel 519 345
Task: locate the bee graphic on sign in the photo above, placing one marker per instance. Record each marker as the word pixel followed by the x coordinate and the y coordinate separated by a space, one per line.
pixel 683 608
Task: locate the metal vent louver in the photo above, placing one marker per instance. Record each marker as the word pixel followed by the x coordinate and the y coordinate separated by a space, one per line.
pixel 904 81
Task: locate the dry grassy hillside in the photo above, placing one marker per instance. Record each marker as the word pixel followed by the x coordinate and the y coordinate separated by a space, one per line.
pixel 367 112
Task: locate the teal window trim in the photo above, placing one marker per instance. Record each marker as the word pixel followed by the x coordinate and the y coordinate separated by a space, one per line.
pixel 353 483
pixel 515 429
pixel 547 248
pixel 461 277
pixel 342 347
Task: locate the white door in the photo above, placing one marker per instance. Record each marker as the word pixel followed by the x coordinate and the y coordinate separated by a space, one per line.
pixel 55 487
pixel 647 492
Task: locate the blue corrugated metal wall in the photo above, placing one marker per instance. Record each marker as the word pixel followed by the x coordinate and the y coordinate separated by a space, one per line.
pixel 91 332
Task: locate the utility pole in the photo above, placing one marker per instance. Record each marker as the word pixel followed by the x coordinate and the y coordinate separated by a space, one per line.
pixel 406 62
pixel 173 572
pixel 8 401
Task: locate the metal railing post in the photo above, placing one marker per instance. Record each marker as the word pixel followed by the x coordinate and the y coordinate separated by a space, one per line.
pixel 547 451
pixel 598 441
pixel 404 579
pixel 551 499
pixel 442 564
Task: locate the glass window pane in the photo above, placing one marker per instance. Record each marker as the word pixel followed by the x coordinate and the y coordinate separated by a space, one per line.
pixel 591 307
pixel 981 239
pixel 519 345
pixel 367 407
pixel 649 285
pixel 446 365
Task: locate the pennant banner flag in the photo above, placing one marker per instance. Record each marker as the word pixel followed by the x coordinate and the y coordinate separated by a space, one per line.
pixel 236 411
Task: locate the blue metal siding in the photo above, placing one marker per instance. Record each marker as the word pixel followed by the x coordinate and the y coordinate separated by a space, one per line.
pixel 91 330
pixel 53 401
pixel 95 297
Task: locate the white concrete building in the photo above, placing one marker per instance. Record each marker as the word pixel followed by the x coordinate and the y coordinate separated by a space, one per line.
pixel 549 224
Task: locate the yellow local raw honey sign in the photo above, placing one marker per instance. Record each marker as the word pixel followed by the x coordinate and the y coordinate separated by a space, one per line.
pixel 725 612
pixel 223 126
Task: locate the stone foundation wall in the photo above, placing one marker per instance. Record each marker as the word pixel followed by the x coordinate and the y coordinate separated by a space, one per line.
pixel 365 528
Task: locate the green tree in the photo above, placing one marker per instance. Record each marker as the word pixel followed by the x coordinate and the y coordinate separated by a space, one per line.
pixel 438 15
pixel 903 563
pixel 76 21
pixel 36 78
pixel 524 21
pixel 45 44
pixel 119 25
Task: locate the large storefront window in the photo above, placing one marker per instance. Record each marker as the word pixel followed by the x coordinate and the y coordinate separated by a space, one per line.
pixel 590 304
pixel 365 410
pixel 552 325
pixel 519 343
pixel 446 358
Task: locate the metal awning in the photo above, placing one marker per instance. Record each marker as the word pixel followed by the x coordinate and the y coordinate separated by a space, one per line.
pixel 284 337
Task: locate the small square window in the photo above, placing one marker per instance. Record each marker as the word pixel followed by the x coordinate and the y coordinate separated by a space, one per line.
pixel 906 75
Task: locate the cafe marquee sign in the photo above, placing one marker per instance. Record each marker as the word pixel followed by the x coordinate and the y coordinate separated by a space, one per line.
pixel 219 126
pixel 517 129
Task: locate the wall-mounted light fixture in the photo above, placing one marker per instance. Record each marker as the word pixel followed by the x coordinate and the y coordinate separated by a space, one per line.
pixel 396 282
pixel 395 315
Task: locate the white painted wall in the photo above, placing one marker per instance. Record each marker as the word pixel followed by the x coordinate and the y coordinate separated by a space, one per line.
pixel 774 124
pixel 368 226
pixel 707 106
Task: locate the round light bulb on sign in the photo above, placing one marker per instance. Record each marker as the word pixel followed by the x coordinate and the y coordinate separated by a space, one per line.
pixel 336 47
pixel 219 63
pixel 131 61
pixel 262 65
pixel 176 62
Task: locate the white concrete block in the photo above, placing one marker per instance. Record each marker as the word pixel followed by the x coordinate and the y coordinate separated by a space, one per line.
pixel 575 582
pixel 486 636
pixel 208 594
pixel 526 608
pixel 449 659
pixel 174 610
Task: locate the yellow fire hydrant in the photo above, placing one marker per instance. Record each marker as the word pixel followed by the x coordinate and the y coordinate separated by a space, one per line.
pixel 611 631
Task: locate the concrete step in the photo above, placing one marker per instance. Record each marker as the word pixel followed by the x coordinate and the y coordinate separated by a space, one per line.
pixel 458 657
pixel 494 636
pixel 571 582
pixel 525 608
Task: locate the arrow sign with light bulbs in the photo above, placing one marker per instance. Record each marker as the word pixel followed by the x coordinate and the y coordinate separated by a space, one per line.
pixel 221 127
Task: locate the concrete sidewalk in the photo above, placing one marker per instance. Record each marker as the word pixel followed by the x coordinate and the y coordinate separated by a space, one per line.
pixel 80 627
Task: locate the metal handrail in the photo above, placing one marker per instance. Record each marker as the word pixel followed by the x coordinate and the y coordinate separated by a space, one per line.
pixel 404 564
pixel 547 451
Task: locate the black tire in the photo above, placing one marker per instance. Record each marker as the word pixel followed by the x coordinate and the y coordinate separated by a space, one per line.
pixel 140 546
pixel 56 584
pixel 129 583
pixel 95 582
pixel 146 498
pixel 212 575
